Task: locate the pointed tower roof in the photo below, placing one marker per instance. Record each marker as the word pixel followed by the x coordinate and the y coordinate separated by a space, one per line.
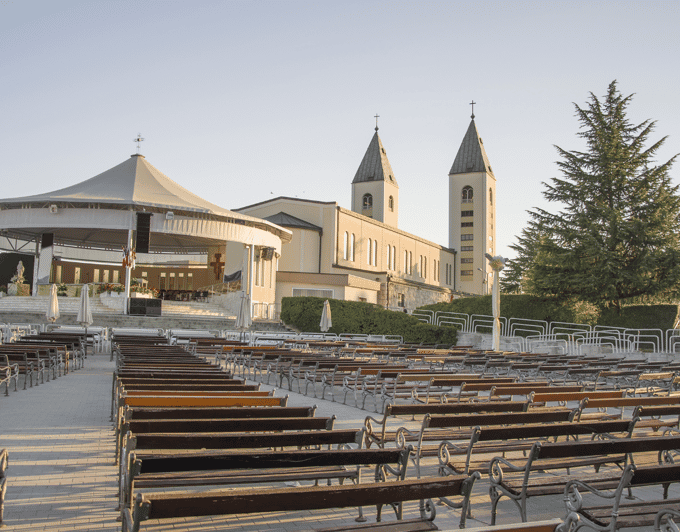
pixel 375 166
pixel 471 156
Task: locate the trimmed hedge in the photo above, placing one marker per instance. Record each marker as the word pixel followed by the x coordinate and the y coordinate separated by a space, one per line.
pixel 354 317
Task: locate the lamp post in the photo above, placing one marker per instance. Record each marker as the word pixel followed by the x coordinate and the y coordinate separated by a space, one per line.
pixel 485 282
pixel 497 263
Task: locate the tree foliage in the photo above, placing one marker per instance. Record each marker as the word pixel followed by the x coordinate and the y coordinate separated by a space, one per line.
pixel 616 236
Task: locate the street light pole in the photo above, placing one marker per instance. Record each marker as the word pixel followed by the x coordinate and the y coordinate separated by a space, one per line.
pixel 485 282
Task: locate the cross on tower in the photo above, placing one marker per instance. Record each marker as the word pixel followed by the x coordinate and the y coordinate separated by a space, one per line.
pixel 376 120
pixel 217 265
pixel 138 140
pixel 472 103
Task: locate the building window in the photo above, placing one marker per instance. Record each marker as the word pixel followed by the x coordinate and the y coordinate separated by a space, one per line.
pixel 467 248
pixel 466 224
pixel 76 275
pixel 115 277
pixel 401 300
pixel 467 237
pixel 180 281
pixel 370 252
pixel 425 268
pixel 351 248
pixel 311 292
pixel 390 202
pixel 405 261
pixel 105 276
pixel 410 262
pixel 463 214
pixel 388 263
pixel 393 257
pixel 95 276
pixel 375 253
pixel 466 261
pixel 57 275
pixel 190 281
pixel 467 194
pixel 345 253
pixel 172 281
pixel 367 201
pixel 466 273
pixel 490 197
pixel 162 283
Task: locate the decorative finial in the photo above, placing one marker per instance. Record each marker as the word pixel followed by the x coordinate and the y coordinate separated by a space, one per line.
pixel 472 103
pixel 376 121
pixel 138 140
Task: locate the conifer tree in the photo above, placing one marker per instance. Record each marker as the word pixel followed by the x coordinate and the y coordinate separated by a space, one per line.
pixel 617 235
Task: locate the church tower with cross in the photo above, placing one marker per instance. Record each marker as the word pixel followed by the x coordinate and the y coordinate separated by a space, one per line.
pixel 472 213
pixel 375 192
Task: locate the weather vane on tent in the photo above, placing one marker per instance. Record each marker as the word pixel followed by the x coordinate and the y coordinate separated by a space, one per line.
pixel 139 140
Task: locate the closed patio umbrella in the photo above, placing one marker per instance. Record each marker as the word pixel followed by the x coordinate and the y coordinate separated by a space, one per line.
pixel 85 311
pixel 243 319
pixel 52 313
pixel 326 322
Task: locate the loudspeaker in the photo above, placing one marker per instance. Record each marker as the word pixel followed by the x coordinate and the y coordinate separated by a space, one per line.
pixel 47 240
pixel 145 307
pixel 143 228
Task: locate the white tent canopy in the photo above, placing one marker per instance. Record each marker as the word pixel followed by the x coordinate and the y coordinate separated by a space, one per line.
pixel 99 212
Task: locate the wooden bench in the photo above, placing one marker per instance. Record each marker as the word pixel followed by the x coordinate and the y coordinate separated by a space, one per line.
pixel 515 480
pixel 263 467
pixel 439 428
pixel 246 501
pixel 4 461
pixel 616 515
pixel 477 452
pixel 551 525
pixel 8 372
pixel 376 430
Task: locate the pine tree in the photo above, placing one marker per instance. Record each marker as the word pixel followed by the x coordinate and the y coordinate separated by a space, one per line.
pixel 618 233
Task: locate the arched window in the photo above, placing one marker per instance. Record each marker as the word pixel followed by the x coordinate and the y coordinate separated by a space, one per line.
pixel 405 261
pixel 390 203
pixel 351 248
pixel 388 262
pixel 490 197
pixel 367 201
pixel 345 254
pixel 467 194
pixel 410 262
pixel 375 253
pixel 370 252
pixel 393 257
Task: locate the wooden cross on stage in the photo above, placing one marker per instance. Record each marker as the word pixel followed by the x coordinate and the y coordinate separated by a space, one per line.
pixel 217 266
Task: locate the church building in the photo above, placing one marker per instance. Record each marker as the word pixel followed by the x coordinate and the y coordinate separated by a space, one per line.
pixel 362 255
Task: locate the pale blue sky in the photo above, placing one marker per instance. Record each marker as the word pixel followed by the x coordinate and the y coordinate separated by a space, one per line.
pixel 238 100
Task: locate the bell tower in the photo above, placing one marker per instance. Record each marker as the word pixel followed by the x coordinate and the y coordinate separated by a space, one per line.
pixel 472 213
pixel 375 192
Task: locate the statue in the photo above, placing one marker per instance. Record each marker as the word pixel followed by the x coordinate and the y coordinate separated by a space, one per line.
pixel 17 282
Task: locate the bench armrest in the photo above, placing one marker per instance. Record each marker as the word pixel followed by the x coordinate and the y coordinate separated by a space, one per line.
pixel 574 500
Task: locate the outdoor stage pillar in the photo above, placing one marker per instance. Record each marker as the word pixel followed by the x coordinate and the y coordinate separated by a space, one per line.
pixel 251 279
pixel 128 273
pixel 35 268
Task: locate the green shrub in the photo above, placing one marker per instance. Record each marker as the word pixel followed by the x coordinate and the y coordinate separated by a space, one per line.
pixel 353 317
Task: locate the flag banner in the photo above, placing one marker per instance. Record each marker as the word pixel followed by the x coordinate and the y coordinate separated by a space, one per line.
pixel 236 276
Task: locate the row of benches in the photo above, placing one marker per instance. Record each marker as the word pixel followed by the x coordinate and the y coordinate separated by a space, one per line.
pixel 142 466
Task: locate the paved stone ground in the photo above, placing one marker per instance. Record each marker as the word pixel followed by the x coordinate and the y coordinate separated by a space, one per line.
pixel 61 475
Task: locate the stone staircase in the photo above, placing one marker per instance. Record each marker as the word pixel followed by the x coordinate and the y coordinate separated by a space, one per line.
pixel 69 305
pixel 176 314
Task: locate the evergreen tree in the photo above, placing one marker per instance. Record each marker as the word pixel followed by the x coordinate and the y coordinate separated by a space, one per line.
pixel 618 233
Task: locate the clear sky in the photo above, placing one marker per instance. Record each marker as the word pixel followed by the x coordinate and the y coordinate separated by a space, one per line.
pixel 241 101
